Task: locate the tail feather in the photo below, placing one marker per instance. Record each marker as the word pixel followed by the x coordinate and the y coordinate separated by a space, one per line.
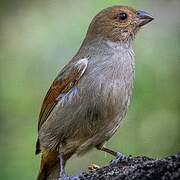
pixel 50 165
pixel 48 162
pixel 42 174
pixel 37 147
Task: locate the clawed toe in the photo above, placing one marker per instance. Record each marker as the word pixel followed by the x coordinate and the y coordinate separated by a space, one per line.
pixel 65 177
pixel 119 158
pixel 74 178
pixel 93 167
pixel 68 178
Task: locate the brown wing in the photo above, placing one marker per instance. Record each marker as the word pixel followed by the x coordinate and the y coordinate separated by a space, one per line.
pixel 64 82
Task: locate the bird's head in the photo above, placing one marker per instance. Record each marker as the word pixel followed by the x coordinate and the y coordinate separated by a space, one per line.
pixel 117 23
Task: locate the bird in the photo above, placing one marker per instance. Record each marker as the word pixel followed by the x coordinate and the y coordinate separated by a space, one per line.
pixel 88 99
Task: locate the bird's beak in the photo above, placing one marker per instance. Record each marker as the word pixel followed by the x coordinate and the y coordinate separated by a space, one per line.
pixel 143 18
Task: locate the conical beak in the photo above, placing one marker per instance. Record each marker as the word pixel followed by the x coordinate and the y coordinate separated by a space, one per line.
pixel 143 18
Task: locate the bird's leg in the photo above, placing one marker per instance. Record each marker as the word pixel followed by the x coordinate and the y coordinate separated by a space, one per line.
pixel 62 172
pixel 109 151
pixel 118 155
pixel 63 175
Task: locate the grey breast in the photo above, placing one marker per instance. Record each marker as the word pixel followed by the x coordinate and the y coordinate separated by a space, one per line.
pixel 106 87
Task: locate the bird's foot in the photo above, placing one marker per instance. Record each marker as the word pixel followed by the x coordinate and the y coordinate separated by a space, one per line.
pixel 93 167
pixel 64 177
pixel 119 158
pixel 78 177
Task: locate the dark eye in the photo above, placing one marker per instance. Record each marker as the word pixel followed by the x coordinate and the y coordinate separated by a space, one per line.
pixel 122 16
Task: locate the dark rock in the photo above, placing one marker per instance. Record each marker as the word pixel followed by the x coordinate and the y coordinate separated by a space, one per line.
pixel 139 168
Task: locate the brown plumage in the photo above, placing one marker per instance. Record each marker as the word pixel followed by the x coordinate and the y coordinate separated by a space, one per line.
pixel 87 101
pixel 61 85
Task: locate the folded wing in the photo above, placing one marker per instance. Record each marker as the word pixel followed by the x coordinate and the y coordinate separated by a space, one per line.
pixel 63 84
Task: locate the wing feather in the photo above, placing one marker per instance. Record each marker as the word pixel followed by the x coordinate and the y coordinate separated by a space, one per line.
pixel 65 82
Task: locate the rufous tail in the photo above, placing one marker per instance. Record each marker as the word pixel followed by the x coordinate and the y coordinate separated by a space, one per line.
pixel 49 161
pixel 50 165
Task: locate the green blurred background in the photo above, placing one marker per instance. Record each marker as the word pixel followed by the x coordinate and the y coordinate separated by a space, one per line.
pixel 37 38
